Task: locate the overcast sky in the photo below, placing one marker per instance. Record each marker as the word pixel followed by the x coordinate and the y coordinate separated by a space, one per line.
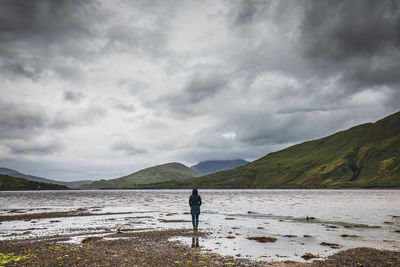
pixel 99 89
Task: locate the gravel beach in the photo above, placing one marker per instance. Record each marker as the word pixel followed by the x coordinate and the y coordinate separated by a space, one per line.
pixel 134 230
pixel 153 248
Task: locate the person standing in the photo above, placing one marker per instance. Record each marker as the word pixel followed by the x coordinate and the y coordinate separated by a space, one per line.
pixel 195 203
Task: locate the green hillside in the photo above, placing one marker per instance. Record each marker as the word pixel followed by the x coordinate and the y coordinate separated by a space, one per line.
pixel 13 183
pixel 16 174
pixel 160 173
pixel 364 156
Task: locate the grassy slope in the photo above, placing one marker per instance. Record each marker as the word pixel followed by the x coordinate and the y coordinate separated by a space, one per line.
pixel 13 183
pixel 14 173
pixel 160 173
pixel 367 155
pixel 213 166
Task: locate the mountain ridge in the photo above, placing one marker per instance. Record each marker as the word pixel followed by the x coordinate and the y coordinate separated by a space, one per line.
pixel 17 174
pixel 213 166
pixel 363 156
pixel 9 183
pixel 158 173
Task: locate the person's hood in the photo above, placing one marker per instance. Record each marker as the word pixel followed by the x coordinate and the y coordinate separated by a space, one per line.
pixel 195 192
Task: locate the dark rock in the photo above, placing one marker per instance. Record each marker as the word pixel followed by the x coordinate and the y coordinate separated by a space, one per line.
pixel 345 235
pixel 91 239
pixel 331 226
pixel 331 245
pixel 262 239
pixel 290 236
pixel 308 256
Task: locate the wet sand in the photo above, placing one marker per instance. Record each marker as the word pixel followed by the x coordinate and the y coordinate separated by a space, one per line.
pixel 149 248
pixel 44 215
pixel 137 247
pixel 90 234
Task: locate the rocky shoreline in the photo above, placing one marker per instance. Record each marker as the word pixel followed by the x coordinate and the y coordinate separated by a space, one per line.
pixel 154 248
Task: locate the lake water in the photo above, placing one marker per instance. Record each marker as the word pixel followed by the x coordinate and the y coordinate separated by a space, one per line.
pixel 371 216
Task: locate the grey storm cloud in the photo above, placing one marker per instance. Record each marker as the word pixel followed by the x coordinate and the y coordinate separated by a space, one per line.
pixel 282 128
pixel 13 67
pixel 127 147
pixel 20 120
pixel 80 116
pixel 31 129
pixel 197 88
pixel 188 80
pixel 343 30
pixel 202 86
pixel 42 146
pixel 33 34
pixel 141 40
pixel 359 40
pixel 147 39
pixel 120 104
pixel 73 96
pixel 250 13
pixel 23 129
pixel 42 37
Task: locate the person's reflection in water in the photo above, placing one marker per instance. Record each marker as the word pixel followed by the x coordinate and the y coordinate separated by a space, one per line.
pixel 195 242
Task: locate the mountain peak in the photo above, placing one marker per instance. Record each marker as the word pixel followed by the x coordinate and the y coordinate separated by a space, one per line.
pixel 159 173
pixel 364 156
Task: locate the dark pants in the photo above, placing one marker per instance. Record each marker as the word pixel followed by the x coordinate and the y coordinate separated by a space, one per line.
pixel 195 220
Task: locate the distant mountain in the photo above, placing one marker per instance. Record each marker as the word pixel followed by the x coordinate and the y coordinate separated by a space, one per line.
pixel 12 183
pixel 213 166
pixel 364 156
pixel 160 173
pixel 14 173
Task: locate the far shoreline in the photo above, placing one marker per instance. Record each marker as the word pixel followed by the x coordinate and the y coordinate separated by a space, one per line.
pixel 238 189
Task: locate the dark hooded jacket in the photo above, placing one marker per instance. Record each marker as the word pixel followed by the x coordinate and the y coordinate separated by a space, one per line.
pixel 195 202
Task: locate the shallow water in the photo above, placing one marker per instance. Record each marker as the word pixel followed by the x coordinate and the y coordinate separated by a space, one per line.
pixel 372 215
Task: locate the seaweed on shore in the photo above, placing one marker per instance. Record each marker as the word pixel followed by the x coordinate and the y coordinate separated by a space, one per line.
pixel 361 257
pixel 154 248
pixel 262 239
pixel 57 214
pixel 150 248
